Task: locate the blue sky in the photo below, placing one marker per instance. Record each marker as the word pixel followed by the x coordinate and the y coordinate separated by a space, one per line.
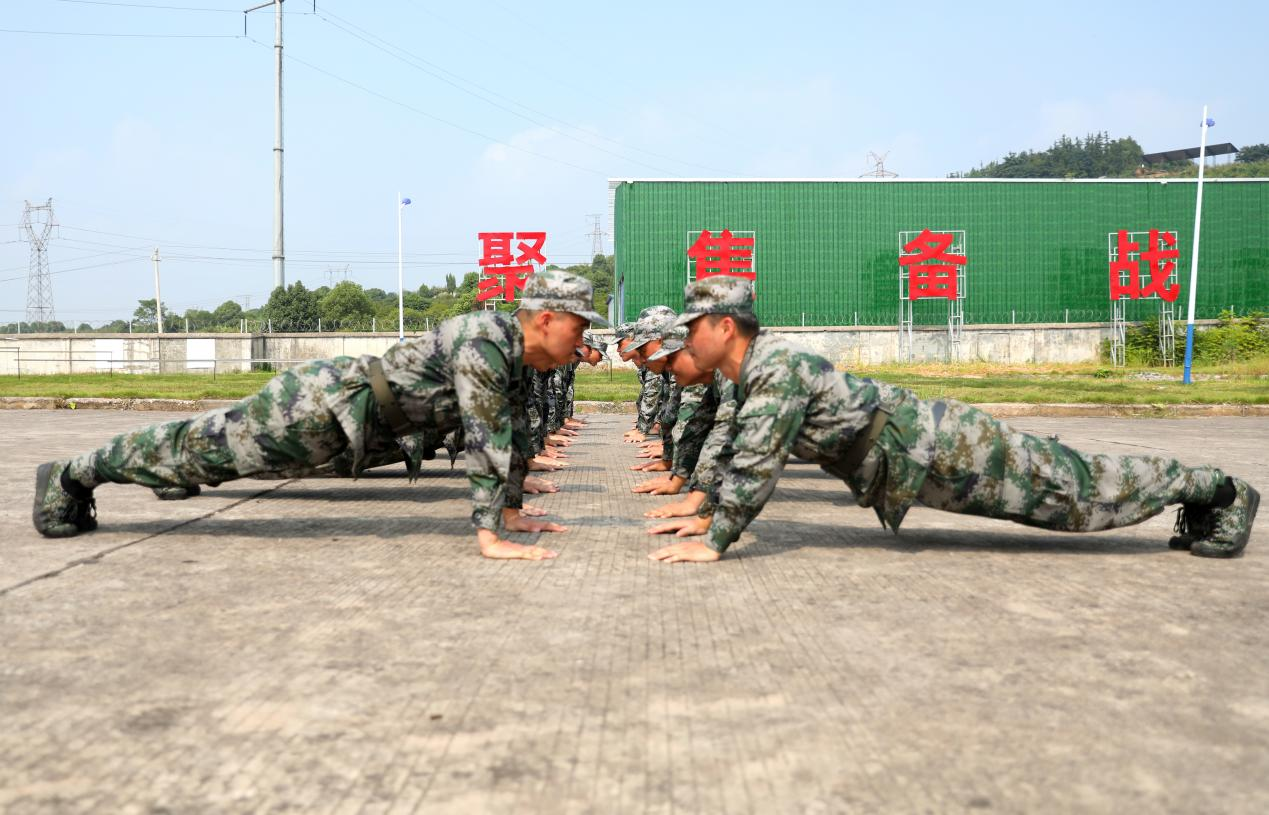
pixel 502 116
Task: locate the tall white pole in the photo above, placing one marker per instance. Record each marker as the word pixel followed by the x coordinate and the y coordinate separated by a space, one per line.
pixel 279 254
pixel 1194 254
pixel 400 275
pixel 158 298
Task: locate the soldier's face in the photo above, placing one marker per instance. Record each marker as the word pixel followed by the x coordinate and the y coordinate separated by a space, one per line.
pixel 593 356
pixel 648 349
pixel 706 342
pixel 561 334
pixel 686 371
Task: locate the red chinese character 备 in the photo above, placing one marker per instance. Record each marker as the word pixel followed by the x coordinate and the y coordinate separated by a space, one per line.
pixel 932 271
pixel 505 271
pixel 722 254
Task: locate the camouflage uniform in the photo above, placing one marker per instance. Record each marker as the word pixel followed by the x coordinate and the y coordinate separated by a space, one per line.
pixel 942 453
pixel 467 374
pixel 655 388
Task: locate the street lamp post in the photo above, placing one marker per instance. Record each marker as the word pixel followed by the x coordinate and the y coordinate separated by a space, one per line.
pixel 401 205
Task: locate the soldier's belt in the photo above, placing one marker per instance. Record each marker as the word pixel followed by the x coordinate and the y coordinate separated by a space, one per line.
pixel 388 406
pixel 864 441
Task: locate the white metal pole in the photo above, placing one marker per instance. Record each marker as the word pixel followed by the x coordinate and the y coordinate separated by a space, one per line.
pixel 158 299
pixel 1194 253
pixel 400 275
pixel 279 253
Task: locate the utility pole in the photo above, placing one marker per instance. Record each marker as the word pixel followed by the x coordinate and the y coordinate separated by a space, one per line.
pixel 158 298
pixel 279 254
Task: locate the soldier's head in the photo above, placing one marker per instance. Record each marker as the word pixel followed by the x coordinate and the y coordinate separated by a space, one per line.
pixel 647 335
pixel 673 358
pixel 556 307
pixel 718 313
pixel 589 351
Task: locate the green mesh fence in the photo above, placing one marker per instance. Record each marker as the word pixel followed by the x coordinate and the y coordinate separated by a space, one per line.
pixel 827 252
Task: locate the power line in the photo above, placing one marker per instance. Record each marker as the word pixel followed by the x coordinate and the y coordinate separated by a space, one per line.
pixel 434 117
pixel 162 8
pixel 411 59
pixel 104 34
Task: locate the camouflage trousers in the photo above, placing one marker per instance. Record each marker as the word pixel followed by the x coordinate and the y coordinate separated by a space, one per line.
pixel 957 458
pixel 296 425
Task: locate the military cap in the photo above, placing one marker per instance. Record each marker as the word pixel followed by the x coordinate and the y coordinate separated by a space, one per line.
pixel 720 294
pixel 672 340
pixel 623 332
pixel 554 290
pixel 649 327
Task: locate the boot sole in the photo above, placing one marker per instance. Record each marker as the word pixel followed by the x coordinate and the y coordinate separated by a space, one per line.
pixel 1234 549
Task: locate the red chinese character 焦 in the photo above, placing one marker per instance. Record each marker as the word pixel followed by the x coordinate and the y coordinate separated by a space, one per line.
pixel 724 254
pixel 1160 272
pixel 502 280
pixel 931 279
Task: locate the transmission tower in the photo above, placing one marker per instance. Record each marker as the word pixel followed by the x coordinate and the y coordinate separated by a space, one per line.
pixel 38 224
pixel 596 237
pixel 879 170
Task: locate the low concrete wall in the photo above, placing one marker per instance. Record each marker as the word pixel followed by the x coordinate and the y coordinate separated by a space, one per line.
pixel 204 353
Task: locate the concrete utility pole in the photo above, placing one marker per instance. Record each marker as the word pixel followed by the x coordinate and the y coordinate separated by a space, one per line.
pixel 279 254
pixel 158 298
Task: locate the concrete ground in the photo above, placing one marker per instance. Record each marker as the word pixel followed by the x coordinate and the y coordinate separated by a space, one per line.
pixel 338 646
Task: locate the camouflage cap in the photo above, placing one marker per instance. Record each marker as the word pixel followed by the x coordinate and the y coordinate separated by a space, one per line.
pixel 623 332
pixel 672 340
pixel 652 321
pixel 720 294
pixel 554 290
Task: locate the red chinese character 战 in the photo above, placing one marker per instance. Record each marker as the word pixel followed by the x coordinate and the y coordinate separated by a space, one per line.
pixel 1160 263
pixel 722 254
pixel 505 272
pixel 1160 272
pixel 931 279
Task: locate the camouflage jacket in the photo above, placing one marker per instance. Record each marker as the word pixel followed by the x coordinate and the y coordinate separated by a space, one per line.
pixel 792 401
pixel 668 417
pixel 649 401
pixel 466 373
pixel 707 432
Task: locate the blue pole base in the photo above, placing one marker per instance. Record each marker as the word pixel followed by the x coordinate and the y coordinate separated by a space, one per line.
pixel 1189 351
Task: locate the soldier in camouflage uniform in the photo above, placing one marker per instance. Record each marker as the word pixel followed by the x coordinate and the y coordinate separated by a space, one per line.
pixel 646 341
pixel 707 396
pixel 894 449
pixel 654 387
pixel 466 373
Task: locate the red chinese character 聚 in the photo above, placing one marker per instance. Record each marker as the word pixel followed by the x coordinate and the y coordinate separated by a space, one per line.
pixel 926 279
pixel 722 254
pixel 505 272
pixel 502 280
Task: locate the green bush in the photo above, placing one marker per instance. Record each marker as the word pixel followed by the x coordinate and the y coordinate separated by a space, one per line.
pixel 1233 339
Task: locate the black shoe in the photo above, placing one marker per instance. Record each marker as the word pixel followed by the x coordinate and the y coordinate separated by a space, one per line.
pixel 63 508
pixel 1226 530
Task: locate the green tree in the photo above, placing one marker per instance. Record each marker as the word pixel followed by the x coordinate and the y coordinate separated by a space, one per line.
pixel 199 319
pixel 143 319
pixel 1095 156
pixel 347 303
pixel 227 313
pixel 451 283
pixel 292 309
pixel 1253 152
